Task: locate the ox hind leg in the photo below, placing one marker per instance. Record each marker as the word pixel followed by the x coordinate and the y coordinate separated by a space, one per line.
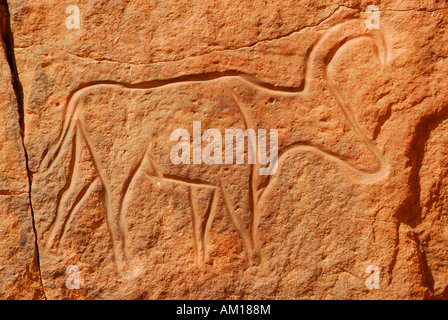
pixel 73 194
pixel 77 190
pixel 113 200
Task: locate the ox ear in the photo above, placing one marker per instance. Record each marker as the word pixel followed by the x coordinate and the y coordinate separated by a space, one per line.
pixel 325 49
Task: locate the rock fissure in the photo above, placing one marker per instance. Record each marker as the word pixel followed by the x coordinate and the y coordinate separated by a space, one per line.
pixel 18 91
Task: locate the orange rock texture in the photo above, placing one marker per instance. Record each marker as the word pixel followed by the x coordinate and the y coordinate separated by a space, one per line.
pixel 350 202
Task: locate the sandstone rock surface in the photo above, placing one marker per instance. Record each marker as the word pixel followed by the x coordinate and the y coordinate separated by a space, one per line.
pixel 362 120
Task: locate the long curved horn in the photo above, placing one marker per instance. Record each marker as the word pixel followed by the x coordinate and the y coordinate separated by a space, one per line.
pixel 329 44
pixel 316 76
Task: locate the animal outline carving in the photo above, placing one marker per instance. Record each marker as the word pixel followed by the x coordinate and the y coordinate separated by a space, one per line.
pixel 76 131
